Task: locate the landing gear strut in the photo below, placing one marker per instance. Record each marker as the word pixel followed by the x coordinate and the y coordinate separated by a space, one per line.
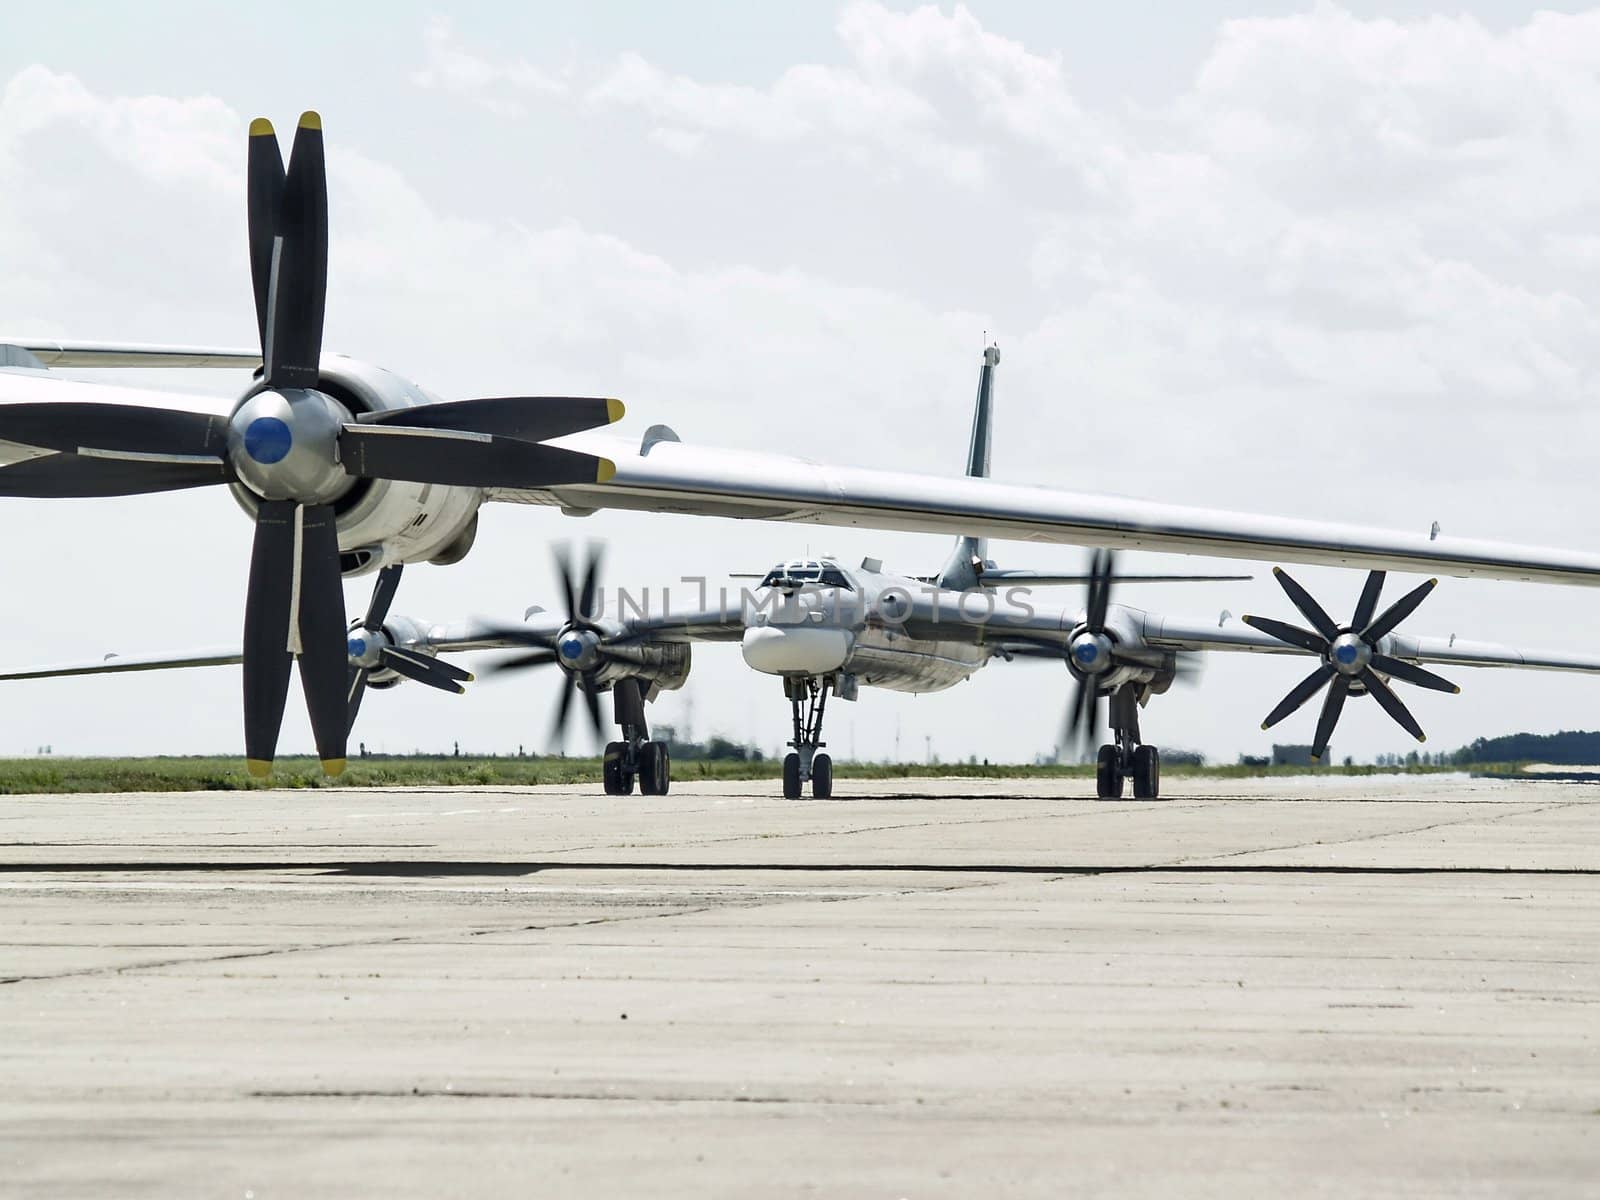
pixel 808 698
pixel 1126 758
pixel 635 756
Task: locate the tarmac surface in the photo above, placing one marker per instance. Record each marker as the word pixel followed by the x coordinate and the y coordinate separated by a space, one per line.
pixel 1298 987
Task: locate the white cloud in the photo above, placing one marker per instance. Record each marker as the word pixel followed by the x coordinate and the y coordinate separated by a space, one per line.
pixel 499 87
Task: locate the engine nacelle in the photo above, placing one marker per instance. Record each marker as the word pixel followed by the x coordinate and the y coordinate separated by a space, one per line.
pixel 660 666
pixel 384 521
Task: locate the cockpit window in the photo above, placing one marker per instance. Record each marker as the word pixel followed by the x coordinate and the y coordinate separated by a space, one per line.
pixel 795 575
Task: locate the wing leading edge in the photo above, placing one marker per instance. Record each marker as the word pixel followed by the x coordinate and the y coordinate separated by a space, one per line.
pixel 674 477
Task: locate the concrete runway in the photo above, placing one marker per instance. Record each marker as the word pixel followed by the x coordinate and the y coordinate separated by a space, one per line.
pixel 1289 987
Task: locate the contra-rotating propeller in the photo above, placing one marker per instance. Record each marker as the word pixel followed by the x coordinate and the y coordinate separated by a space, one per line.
pixel 1093 653
pixel 370 649
pixel 1351 657
pixel 579 647
pixel 296 450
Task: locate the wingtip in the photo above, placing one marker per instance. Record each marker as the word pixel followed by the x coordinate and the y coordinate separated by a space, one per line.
pixel 258 767
pixel 261 127
pixel 311 119
pixel 333 767
pixel 614 411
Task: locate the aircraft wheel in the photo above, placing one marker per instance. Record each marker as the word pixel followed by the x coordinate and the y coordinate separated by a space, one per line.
pixel 1146 773
pixel 791 777
pixel 1108 774
pixel 618 781
pixel 655 769
pixel 822 777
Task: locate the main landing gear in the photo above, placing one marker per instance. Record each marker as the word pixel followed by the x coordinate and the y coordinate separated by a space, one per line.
pixel 808 697
pixel 1126 758
pixel 635 756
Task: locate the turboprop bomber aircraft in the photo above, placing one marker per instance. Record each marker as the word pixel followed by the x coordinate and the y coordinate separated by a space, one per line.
pixel 828 630
pixel 345 467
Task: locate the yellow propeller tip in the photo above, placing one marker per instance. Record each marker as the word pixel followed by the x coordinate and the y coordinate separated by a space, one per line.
pixel 259 767
pixel 261 127
pixel 1422 737
pixel 333 767
pixel 1458 690
pixel 471 678
pixel 310 119
pixel 1316 760
pixel 1277 570
pixel 605 471
pixel 614 411
pixel 1264 725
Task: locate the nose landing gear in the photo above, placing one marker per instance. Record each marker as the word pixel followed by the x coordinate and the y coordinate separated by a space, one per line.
pixel 808 699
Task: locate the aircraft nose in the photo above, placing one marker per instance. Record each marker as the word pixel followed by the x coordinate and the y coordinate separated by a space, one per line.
pixel 795 649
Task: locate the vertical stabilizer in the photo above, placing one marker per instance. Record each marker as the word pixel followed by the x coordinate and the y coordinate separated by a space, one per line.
pixel 966 562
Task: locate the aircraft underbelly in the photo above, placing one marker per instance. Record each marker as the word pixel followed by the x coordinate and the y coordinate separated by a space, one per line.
pixel 910 665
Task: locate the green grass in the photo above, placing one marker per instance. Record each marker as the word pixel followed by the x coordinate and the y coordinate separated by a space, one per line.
pixel 163 774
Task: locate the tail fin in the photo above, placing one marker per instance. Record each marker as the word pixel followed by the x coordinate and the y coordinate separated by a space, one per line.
pixel 967 560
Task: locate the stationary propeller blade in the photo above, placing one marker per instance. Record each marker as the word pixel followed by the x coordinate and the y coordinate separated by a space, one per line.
pixel 268 611
pixel 1368 604
pixel 1398 611
pixel 1412 673
pixel 264 199
pixel 1332 706
pixel 1309 608
pixel 298 284
pixel 324 664
pixel 1384 695
pixel 295 608
pixel 66 476
pixel 383 593
pixel 463 459
pixel 527 418
pixel 1292 634
pixel 1302 691
pixel 425 669
pixel 117 431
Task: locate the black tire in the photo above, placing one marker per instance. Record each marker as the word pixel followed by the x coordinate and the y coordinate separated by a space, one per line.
pixel 618 782
pixel 1108 774
pixel 822 777
pixel 655 769
pixel 1146 773
pixel 791 777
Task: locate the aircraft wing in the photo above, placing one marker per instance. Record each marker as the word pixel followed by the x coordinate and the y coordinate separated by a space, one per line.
pixel 223 656
pixel 1180 633
pixel 665 475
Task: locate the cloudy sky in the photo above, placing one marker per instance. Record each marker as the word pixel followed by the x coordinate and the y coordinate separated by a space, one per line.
pixel 1289 258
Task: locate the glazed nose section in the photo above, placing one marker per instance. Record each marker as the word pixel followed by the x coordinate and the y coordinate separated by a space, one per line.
pixel 795 649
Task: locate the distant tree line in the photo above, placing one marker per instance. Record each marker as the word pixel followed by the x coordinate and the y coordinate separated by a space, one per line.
pixel 1569 747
